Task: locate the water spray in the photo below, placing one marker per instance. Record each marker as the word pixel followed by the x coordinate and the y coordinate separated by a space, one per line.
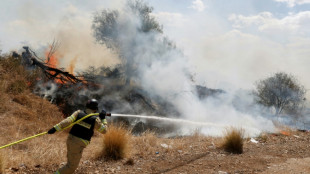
pixel 178 120
pixel 183 121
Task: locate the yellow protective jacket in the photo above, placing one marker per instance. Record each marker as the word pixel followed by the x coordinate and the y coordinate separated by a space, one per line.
pixel 98 124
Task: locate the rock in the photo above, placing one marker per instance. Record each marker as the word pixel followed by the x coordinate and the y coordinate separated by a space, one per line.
pixel 166 146
pixel 253 140
pixel 139 128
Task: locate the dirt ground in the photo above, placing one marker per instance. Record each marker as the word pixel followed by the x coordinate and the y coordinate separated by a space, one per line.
pixel 271 153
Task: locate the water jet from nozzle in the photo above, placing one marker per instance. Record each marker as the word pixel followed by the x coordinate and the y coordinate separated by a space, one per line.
pixel 209 128
pixel 178 120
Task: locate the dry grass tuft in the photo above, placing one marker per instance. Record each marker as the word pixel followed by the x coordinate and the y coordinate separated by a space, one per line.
pixel 115 143
pixel 11 64
pixel 262 137
pixel 18 86
pixel 233 140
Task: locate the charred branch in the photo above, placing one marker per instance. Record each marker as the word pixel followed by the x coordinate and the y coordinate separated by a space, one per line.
pixel 30 59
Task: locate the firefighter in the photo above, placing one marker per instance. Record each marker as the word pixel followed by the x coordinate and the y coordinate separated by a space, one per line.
pixel 80 133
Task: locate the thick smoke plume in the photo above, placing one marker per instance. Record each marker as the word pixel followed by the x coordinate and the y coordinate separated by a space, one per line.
pixel 154 63
pixel 136 69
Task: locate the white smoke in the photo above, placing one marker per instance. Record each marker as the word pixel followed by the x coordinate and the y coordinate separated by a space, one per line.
pixel 162 71
pixel 37 24
pixel 166 72
pixel 77 46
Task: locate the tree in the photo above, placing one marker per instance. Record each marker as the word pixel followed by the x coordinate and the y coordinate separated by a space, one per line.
pixel 282 92
pixel 128 32
pixel 108 26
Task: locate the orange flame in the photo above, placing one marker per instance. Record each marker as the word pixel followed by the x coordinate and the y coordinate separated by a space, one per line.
pixel 71 67
pixel 285 133
pixel 52 61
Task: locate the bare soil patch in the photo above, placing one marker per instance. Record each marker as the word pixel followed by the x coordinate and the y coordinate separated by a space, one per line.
pixel 277 153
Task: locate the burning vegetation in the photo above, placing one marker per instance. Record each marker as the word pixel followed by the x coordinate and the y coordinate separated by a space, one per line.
pixel 151 78
pixel 142 83
pixel 30 115
pixel 70 92
pixel 121 88
pixel 129 88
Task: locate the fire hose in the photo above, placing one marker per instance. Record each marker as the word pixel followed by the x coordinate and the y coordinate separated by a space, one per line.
pixel 43 133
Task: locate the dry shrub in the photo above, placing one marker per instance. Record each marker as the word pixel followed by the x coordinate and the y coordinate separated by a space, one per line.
pixel 18 86
pixel 2 163
pixel 115 143
pixel 262 137
pixel 32 77
pixel 10 64
pixel 233 140
pixel 17 78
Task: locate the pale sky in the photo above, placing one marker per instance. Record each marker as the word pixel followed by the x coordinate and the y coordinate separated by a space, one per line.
pixel 230 44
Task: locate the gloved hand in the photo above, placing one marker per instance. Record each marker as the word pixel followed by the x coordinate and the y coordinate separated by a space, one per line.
pixel 51 131
pixel 102 114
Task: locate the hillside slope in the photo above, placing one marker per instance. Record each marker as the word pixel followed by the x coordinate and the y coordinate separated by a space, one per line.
pixel 24 114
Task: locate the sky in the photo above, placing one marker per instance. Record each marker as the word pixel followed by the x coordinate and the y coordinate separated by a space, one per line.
pixel 229 44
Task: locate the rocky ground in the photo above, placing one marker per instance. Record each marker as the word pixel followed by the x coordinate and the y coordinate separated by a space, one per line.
pixel 271 153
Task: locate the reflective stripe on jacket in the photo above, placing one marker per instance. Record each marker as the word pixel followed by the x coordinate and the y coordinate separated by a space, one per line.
pixel 85 128
pixel 99 125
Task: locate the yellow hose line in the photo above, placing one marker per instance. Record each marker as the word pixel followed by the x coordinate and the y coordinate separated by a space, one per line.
pixel 43 133
pixel 23 140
